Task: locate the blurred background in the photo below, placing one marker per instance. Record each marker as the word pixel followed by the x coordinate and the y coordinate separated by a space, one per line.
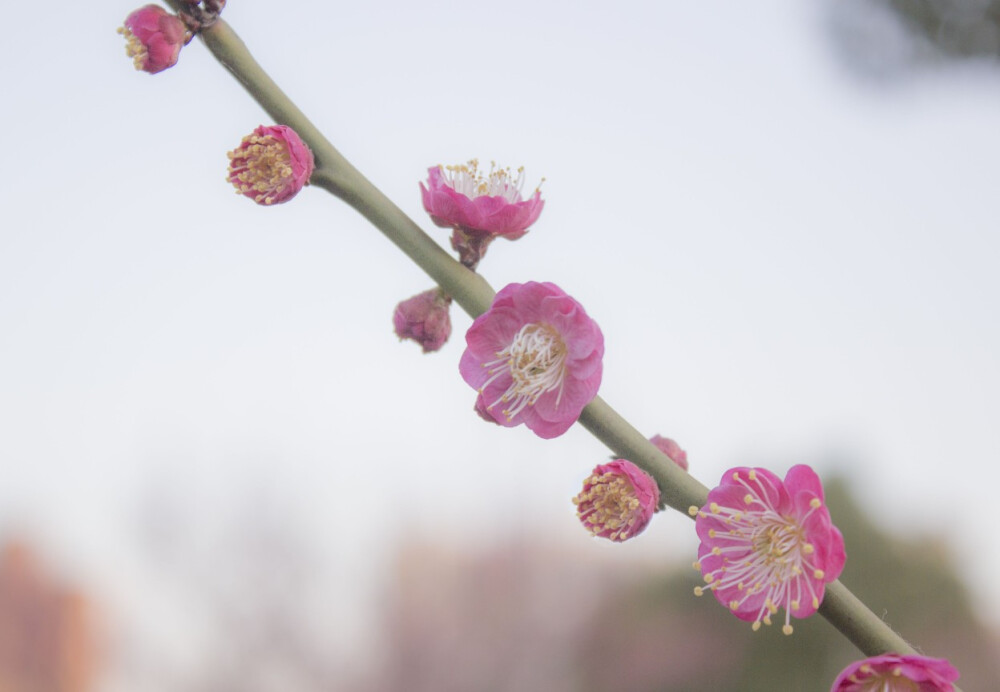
pixel 220 470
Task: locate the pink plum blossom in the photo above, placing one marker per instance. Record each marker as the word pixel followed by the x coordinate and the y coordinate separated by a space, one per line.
pixel 534 357
pixel 617 501
pixel 897 673
pixel 270 165
pixel 767 544
pixel 424 318
pixel 671 449
pixel 461 196
pixel 479 208
pixel 153 38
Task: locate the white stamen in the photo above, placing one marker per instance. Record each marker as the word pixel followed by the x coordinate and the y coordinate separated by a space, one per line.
pixel 468 181
pixel 778 554
pixel 536 361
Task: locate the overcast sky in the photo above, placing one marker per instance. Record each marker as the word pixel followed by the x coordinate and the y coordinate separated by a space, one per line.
pixel 789 265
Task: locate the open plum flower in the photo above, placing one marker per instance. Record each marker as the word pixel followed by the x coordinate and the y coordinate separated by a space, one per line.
pixel 479 208
pixel 534 357
pixel 768 544
pixel 617 501
pixel 896 673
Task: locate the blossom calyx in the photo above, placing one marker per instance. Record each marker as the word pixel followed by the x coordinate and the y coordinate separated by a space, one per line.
pixel 617 501
pixel 897 673
pixel 270 165
pixel 153 38
pixel 424 318
pixel 768 544
pixel 534 357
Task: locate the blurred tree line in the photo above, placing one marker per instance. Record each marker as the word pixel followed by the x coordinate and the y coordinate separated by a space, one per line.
pixel 529 615
pixel 885 38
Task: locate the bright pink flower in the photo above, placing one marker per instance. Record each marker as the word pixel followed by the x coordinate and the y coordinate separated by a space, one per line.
pixel 671 449
pixel 617 500
pixel 271 165
pixel 424 318
pixel 767 544
pixel 154 38
pixel 896 673
pixel 534 357
pixel 461 197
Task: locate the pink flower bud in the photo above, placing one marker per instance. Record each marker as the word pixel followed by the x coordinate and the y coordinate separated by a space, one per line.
pixel 617 501
pixel 480 409
pixel 671 449
pixel 424 318
pixel 271 165
pixel 154 38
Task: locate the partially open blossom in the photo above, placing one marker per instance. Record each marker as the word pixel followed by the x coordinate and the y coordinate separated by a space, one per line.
pixel 153 38
pixel 270 165
pixel 424 318
pixel 479 207
pixel 462 196
pixel 671 449
pixel 768 544
pixel 534 357
pixel 897 673
pixel 617 500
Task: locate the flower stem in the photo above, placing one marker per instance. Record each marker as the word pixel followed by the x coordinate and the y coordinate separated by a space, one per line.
pixel 335 174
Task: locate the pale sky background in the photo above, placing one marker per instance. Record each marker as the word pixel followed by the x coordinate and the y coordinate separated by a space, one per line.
pixel 790 264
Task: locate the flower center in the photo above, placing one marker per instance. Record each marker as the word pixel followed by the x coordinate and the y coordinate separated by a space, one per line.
pixel 764 552
pixel 536 361
pixel 881 681
pixel 134 48
pixel 261 165
pixel 469 181
pixel 608 506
